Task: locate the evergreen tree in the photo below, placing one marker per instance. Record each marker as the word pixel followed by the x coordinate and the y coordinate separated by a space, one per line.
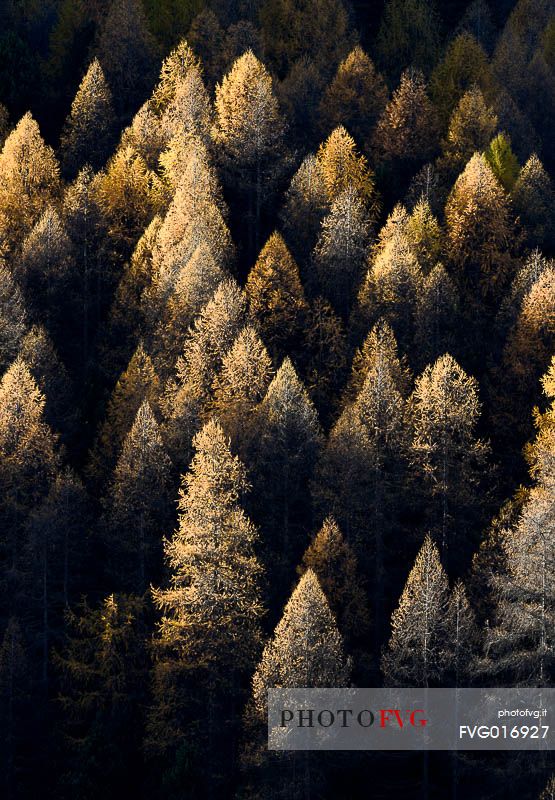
pixel 276 298
pixel 479 232
pixel 340 253
pixel 137 508
pixel 471 128
pixel 209 632
pixel 415 654
pixel 342 166
pixel 137 383
pixel 306 202
pixel 463 68
pixel 15 708
pixel 355 98
pixel 409 34
pixel 286 442
pixel 534 200
pixel 241 384
pixel 248 133
pixel 127 52
pixel 334 563
pixel 502 161
pixel 13 317
pixel 448 457
pixel 102 669
pixel 29 181
pixel 306 648
pixel 89 128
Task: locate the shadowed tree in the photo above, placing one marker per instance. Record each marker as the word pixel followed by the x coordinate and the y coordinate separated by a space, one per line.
pixel 13 317
pixel 89 129
pixel 471 127
pixel 306 202
pixel 534 200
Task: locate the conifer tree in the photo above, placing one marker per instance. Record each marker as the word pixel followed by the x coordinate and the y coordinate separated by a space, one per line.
pixel 334 563
pixel 137 508
pixel 13 317
pixel 145 135
pixel 276 298
pixel 462 636
pixel 534 200
pixel 502 161
pixel 286 444
pixel 175 68
pixel 448 456
pixel 418 626
pixel 340 253
pixel 127 51
pixel 342 166
pixel 326 358
pixel 437 316
pixel 408 128
pixel 464 66
pixel 209 631
pixel 241 384
pixel 355 98
pixel 306 648
pixel 300 96
pixel 409 34
pixel 390 288
pixel 249 135
pixel 306 202
pixel 549 791
pixel 89 128
pixel 137 383
pixel 190 110
pixel 15 709
pixel 424 234
pixel 29 181
pixel 194 286
pixel 101 670
pixel 479 232
pixel 28 464
pixel 520 644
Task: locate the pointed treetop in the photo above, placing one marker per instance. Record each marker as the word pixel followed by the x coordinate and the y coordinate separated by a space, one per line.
pixel 380 345
pixel 341 165
pixel 175 69
pixel 21 405
pixel 503 162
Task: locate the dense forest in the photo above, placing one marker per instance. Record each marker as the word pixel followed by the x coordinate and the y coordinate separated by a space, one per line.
pixel 277 394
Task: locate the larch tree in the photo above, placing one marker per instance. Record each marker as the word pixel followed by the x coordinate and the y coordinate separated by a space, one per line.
pixel 391 288
pixel 300 95
pixel 355 98
pixel 424 234
pixel 127 51
pixel 549 791
pixel 29 181
pixel 409 34
pixel 13 317
pixel 437 317
pixel 276 298
pixel 175 68
pixel 137 383
pixel 190 110
pixel 334 563
pixel 533 199
pixel 479 233
pixel 325 358
pixel 28 464
pixel 187 396
pixel 145 135
pixel 448 457
pixel 15 708
pixel 248 133
pixel 306 649
pixel 520 646
pixel 407 131
pixel 360 475
pixel 341 251
pixel 137 506
pixel 415 653
pixel 464 66
pixel 102 667
pixel 210 627
pixel 342 165
pixel 286 442
pixel 240 385
pixel 89 129
pixel 194 286
pixel 306 202
pixel 502 161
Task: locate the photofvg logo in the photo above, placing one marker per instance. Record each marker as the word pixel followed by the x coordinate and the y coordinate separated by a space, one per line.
pixel 410 719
